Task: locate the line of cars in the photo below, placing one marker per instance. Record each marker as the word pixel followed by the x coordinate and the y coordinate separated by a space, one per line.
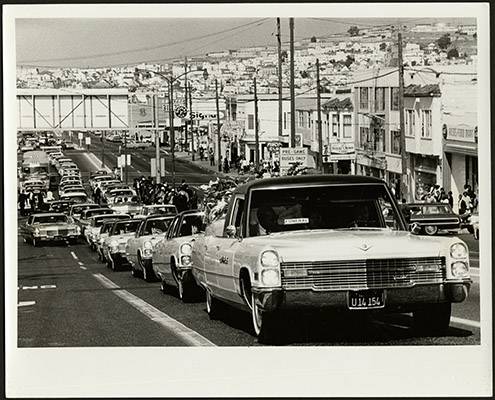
pixel 289 244
pixel 337 243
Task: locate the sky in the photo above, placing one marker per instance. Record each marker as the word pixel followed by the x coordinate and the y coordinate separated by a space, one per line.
pixel 91 42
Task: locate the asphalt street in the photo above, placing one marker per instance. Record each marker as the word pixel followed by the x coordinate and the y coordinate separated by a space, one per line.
pixel 67 298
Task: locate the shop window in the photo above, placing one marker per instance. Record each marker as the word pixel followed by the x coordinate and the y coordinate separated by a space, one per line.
pixel 394 99
pixel 363 98
pixel 335 125
pixel 379 99
pixel 379 139
pixel 395 142
pixel 347 128
pixel 426 123
pixel 250 121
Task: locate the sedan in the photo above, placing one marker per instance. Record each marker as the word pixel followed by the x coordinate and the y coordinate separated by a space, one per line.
pixel 139 249
pixel 431 217
pixel 94 223
pixel 172 261
pixel 114 245
pixel 49 227
pixel 103 233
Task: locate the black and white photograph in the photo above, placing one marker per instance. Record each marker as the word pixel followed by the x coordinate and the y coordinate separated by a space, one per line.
pixel 247 200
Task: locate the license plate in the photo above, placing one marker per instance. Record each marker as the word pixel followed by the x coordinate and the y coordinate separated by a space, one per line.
pixel 365 299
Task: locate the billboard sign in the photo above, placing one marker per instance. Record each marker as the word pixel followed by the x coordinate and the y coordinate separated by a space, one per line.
pixel 290 156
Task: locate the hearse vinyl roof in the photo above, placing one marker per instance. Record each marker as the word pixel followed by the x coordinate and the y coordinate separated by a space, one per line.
pixel 309 180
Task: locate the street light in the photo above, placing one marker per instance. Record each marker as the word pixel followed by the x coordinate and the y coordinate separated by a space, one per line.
pixel 170 81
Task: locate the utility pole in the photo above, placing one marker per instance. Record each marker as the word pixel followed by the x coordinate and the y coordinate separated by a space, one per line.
pixel 172 132
pixel 185 100
pixel 318 111
pixel 103 149
pixel 404 156
pixel 292 90
pixel 192 121
pixel 280 110
pixel 126 170
pixel 157 139
pixel 218 128
pixel 256 129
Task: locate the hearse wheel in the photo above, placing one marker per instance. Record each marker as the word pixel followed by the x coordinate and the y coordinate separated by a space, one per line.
pixel 265 324
pixel 213 306
pixel 433 319
pixel 431 230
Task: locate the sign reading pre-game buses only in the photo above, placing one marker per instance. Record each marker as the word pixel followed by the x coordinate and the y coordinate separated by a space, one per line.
pixel 290 156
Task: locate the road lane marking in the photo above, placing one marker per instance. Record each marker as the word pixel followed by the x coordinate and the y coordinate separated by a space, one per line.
pixel 83 268
pixel 36 287
pixel 80 263
pixel 26 303
pixel 468 322
pixel 190 337
pixel 73 255
pixel 92 159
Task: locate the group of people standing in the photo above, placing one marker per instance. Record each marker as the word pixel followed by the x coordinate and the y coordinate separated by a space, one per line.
pixel 150 192
pixel 29 202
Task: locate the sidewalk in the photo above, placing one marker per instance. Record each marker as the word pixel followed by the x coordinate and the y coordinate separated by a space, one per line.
pixel 186 157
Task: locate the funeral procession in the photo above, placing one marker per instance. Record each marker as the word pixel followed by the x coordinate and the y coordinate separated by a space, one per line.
pixel 261 186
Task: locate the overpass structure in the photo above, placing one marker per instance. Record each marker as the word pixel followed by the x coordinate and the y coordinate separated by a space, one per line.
pixel 72 109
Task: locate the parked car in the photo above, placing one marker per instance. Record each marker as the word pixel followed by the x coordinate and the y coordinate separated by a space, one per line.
pixel 172 256
pixel 113 246
pixel 154 209
pixel 138 145
pixel 114 138
pixel 139 250
pixel 326 241
pixel 68 145
pixel 48 227
pixel 431 217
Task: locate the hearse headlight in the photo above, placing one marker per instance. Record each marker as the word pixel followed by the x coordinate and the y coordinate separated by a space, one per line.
pixel 270 277
pixel 269 259
pixel 185 260
pixel 459 269
pixel 186 249
pixel 458 250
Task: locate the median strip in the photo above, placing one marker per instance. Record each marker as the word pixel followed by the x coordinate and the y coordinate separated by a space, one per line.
pixel 190 337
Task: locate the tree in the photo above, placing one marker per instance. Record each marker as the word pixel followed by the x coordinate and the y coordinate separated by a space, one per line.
pixel 444 41
pixel 353 31
pixel 383 46
pixel 452 53
pixel 313 39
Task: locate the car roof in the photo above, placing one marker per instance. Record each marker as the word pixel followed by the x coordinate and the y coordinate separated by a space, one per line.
pixel 308 180
pixel 426 204
pixel 48 214
pixel 166 216
pixel 190 212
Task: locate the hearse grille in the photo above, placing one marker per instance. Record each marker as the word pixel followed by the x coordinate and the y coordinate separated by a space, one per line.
pixel 362 274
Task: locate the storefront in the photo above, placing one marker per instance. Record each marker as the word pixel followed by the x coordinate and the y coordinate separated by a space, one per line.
pixel 339 158
pixel 426 169
pixel 371 164
pixel 460 163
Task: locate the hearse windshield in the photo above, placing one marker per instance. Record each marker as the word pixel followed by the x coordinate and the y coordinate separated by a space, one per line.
pixel 345 207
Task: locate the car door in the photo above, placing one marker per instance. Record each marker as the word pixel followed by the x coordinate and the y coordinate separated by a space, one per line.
pixel 132 244
pixel 163 256
pixel 227 251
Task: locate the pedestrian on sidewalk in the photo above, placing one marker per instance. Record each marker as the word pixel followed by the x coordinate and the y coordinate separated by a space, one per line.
pixel 212 158
pixel 226 166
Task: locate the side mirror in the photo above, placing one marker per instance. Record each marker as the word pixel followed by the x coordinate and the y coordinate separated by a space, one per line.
pixel 414 228
pixel 230 231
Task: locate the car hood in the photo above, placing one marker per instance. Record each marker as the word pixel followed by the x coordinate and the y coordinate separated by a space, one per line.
pixel 320 245
pixel 55 226
pixel 120 238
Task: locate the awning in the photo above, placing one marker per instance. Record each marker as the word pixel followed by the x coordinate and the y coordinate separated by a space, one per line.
pixel 470 149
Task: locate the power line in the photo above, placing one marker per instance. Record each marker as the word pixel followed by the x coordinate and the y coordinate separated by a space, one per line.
pixel 148 48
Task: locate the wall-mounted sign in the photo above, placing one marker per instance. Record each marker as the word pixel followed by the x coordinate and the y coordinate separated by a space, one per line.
pixel 290 156
pixel 464 133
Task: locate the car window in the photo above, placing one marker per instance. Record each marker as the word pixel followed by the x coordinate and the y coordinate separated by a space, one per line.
pixel 50 219
pixel 172 228
pixel 156 226
pixel 321 207
pixel 124 227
